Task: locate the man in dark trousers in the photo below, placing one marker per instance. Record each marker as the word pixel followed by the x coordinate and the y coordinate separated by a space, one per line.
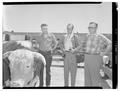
pixel 47 43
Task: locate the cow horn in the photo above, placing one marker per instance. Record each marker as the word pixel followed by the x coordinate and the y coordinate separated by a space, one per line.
pixel 5 55
pixel 39 56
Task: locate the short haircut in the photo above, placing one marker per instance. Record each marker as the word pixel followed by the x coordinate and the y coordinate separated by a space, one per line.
pixel 94 23
pixel 70 24
pixel 43 25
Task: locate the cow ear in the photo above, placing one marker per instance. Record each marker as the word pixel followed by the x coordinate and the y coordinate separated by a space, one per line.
pixel 37 66
pixel 6 69
pixel 39 63
pixel 6 55
pixel 39 56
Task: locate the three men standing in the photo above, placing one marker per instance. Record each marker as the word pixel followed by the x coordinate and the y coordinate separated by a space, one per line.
pixel 96 46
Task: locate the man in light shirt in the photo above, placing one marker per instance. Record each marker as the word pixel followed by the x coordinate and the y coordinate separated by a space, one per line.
pixel 70 42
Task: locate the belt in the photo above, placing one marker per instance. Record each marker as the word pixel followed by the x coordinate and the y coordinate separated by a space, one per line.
pixel 85 52
pixel 45 51
pixel 48 51
pixel 92 53
pixel 89 53
pixel 67 51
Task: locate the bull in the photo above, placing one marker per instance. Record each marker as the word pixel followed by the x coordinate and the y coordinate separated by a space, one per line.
pixel 21 64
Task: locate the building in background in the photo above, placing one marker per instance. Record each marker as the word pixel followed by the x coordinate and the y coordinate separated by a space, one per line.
pixel 35 35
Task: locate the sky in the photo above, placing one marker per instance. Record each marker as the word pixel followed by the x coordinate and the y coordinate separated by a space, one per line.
pixel 28 18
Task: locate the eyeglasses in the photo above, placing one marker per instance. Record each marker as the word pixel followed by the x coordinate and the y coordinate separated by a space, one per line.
pixel 91 27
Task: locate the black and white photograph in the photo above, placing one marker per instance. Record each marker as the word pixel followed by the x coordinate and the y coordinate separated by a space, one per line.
pixel 65 45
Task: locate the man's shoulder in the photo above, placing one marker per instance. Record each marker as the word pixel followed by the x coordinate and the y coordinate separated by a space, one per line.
pixel 104 38
pixel 101 36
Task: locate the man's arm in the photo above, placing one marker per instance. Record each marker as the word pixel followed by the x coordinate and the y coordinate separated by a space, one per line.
pixel 54 42
pixel 62 47
pixel 81 42
pixel 76 39
pixel 108 43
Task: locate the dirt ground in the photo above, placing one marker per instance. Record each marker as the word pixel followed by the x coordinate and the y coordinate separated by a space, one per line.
pixel 57 75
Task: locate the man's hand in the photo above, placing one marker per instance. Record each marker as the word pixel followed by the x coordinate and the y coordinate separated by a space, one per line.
pixel 102 54
pixel 105 60
pixel 73 50
pixel 60 51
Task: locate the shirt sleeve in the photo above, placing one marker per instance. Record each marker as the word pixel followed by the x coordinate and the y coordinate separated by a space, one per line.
pixel 77 41
pixel 54 40
pixel 106 43
pixel 105 40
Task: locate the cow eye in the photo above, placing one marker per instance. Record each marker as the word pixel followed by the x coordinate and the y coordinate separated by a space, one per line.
pixel 28 66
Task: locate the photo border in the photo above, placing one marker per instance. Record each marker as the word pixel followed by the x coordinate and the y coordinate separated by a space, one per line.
pixel 114 43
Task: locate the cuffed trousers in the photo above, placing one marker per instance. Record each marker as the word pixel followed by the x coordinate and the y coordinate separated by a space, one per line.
pixel 92 70
pixel 70 66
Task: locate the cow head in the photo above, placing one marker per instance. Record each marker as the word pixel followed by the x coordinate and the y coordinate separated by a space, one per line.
pixel 22 66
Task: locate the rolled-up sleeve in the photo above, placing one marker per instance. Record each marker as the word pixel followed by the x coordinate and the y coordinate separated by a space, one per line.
pixel 54 41
pixel 107 42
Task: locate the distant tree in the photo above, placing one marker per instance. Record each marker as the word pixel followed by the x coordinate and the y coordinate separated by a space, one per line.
pixel 12 31
pixel 7 37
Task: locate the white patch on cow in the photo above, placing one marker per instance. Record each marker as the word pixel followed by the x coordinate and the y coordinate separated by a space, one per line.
pixel 5 55
pixel 37 81
pixel 40 56
pixel 7 83
pixel 20 82
pixel 26 44
pixel 21 55
pixel 109 82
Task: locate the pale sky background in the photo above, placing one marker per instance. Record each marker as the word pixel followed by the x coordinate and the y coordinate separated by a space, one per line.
pixel 28 18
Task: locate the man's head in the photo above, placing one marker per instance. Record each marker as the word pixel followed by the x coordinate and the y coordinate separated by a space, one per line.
pixel 93 27
pixel 35 43
pixel 44 28
pixel 70 28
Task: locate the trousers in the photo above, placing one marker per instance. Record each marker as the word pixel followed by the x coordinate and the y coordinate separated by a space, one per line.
pixel 92 70
pixel 70 66
pixel 48 58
